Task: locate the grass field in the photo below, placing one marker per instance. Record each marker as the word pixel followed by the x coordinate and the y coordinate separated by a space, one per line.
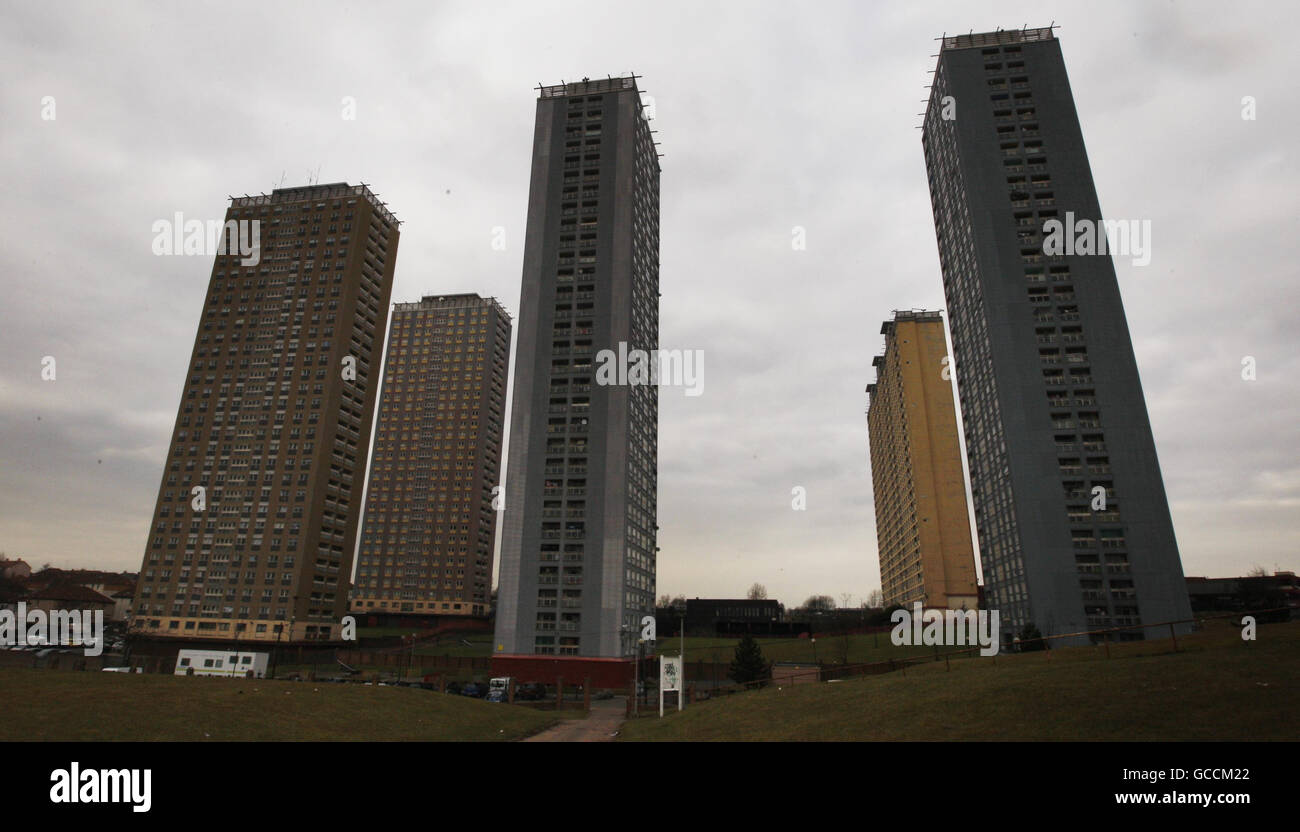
pixel 66 705
pixel 1216 687
pixel 479 645
pixel 871 647
pixel 829 649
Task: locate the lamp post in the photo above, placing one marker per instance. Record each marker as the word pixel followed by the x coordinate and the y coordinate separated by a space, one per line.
pixel 624 633
pixel 275 656
pixel 235 673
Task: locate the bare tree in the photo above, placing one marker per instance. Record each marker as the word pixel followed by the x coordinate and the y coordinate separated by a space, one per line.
pixel 757 592
pixel 843 644
pixel 846 600
pixel 677 602
pixel 1257 572
pixel 875 600
pixel 819 603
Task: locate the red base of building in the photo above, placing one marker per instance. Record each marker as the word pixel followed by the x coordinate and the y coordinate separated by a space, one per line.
pixel 614 674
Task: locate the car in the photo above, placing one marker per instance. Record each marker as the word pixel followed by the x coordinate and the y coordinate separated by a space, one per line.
pixel 530 692
pixel 472 689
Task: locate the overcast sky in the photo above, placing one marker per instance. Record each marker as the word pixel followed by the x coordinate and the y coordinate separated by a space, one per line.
pixel 770 115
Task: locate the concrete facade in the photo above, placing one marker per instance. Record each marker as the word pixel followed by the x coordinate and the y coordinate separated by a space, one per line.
pixel 273 426
pixel 1050 395
pixel 430 523
pixel 923 529
pixel 578 549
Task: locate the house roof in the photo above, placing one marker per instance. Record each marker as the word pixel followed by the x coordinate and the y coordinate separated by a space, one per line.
pixel 68 592
pixel 11 590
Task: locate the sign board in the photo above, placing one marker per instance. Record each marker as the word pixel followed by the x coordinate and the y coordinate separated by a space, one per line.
pixel 670 679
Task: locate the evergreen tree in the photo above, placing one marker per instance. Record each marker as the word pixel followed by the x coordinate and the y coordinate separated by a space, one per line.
pixel 1031 639
pixel 749 665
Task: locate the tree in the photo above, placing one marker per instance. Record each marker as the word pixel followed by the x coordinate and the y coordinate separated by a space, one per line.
pixel 757 592
pixel 749 664
pixel 875 600
pixel 1257 572
pixel 819 603
pixel 846 599
pixel 843 644
pixel 1031 639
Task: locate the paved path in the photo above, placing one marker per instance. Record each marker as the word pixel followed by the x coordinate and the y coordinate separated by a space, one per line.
pixel 606 717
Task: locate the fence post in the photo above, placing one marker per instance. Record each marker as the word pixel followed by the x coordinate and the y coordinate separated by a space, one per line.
pixel 1105 639
pixel 946 667
pixel 1173 635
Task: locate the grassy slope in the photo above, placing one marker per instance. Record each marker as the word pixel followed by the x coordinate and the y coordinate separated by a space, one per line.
pixel 1217 688
pixel 59 705
pixel 830 649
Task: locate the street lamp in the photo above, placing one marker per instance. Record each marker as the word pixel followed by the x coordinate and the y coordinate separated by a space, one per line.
pixel 275 655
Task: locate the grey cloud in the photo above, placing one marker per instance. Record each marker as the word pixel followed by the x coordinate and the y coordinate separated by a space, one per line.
pixel 770 117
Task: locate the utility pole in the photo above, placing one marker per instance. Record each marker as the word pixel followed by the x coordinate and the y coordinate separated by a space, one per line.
pixel 636 677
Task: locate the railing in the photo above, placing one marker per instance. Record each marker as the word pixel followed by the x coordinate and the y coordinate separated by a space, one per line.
pixel 1042 644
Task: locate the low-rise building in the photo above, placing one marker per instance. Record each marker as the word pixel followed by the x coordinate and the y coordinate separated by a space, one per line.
pixel 732 616
pixel 67 597
pixel 1279 592
pixel 15 569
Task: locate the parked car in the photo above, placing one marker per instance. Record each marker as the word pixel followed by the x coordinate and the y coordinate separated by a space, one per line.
pixel 473 689
pixel 530 692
